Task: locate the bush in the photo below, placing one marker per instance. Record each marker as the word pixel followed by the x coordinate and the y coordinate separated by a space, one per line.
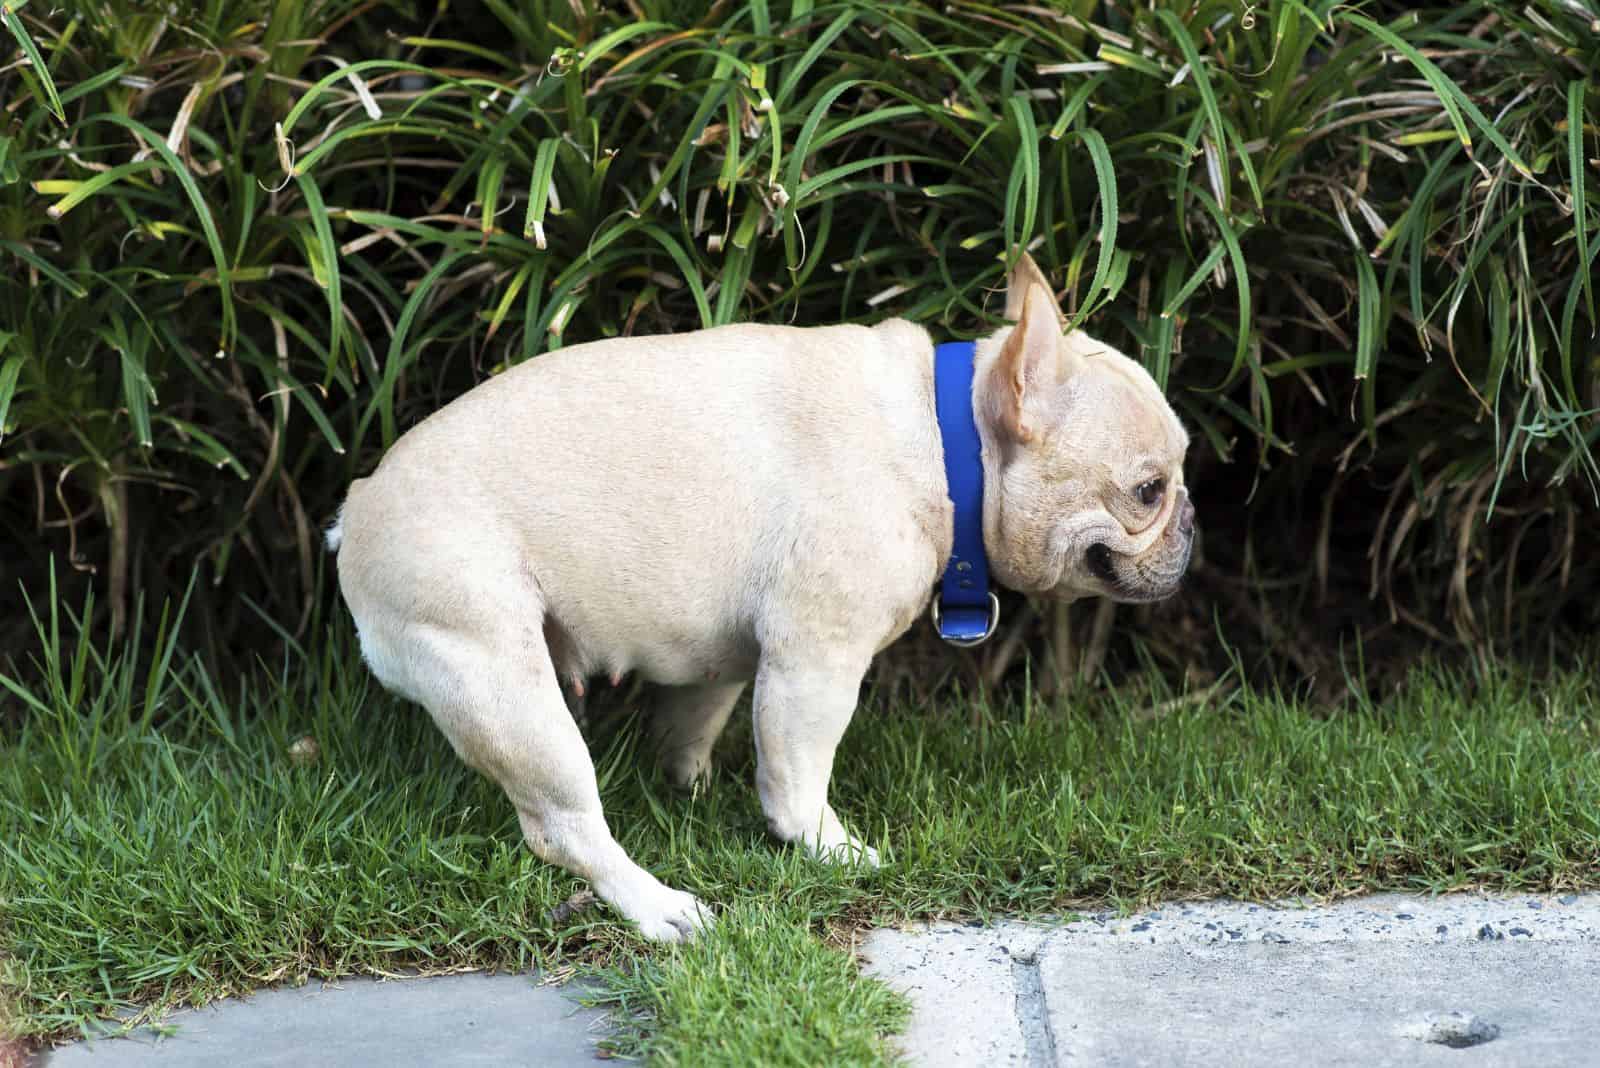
pixel 248 244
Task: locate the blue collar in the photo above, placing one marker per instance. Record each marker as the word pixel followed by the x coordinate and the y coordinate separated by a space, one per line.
pixel 965 611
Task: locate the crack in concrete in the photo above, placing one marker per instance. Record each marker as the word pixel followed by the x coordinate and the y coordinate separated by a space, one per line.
pixel 1033 1016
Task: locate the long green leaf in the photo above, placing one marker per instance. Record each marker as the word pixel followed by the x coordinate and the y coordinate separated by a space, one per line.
pixel 794 75
pixel 314 93
pixel 329 253
pixel 1368 312
pixel 395 362
pixel 1106 175
pixel 1028 161
pixel 1195 280
pixel 137 392
pixel 52 100
pixel 686 269
pixel 95 184
pixel 1241 280
pixel 1456 102
pixel 10 370
pixel 1577 168
pixel 603 47
pixel 44 267
pixel 197 201
pixel 544 164
pixel 1208 95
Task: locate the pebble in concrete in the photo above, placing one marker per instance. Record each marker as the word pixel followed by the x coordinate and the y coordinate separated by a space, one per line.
pixel 1384 980
pixel 446 1021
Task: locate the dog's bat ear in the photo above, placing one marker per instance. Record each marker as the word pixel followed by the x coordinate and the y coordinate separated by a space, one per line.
pixel 1031 359
pixel 1024 275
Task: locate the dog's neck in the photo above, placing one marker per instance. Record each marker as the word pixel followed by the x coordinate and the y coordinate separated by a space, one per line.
pixel 986 411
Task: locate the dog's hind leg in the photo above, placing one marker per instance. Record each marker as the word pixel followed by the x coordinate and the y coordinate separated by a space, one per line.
pixel 493 691
pixel 685 724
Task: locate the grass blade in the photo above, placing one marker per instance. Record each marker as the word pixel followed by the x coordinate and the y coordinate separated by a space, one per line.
pixel 1576 169
pixel 1028 161
pixel 544 164
pixel 1208 95
pixel 10 371
pixel 1106 175
pixel 201 208
pixel 1368 333
pixel 52 99
pixel 329 254
pixel 44 267
pixel 1456 102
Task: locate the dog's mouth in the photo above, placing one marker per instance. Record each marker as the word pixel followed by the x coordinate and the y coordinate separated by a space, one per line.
pixel 1153 576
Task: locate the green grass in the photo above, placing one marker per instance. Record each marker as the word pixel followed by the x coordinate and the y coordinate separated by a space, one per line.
pixel 160 844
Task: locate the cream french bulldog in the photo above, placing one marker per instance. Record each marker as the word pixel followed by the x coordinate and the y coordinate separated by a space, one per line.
pixel 744 503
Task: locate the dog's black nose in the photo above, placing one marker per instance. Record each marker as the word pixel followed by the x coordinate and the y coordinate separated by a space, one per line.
pixel 1098 558
pixel 1186 519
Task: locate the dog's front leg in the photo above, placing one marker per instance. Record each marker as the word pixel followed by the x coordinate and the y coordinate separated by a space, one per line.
pixel 801 712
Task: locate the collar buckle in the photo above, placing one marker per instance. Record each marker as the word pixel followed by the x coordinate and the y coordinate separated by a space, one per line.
pixel 966 641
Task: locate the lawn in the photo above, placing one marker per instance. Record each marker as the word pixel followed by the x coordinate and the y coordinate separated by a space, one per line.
pixel 167 837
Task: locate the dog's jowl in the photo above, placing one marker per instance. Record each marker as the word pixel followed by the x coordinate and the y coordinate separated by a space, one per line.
pixel 745 504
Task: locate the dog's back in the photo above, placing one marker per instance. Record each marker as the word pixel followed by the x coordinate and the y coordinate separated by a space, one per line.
pixel 725 453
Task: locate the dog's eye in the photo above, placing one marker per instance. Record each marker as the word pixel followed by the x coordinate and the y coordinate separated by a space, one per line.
pixel 1150 492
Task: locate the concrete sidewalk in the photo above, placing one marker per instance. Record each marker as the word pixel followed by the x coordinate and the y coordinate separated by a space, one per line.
pixel 450 1020
pixel 1385 980
pixel 1392 979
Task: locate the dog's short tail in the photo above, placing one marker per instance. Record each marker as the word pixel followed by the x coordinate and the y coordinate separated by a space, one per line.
pixel 335 535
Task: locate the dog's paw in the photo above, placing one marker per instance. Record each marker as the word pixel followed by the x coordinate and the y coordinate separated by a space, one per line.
pixel 666 915
pixel 686 769
pixel 849 852
pixel 823 837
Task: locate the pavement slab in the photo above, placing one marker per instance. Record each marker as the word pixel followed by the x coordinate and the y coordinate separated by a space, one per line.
pixel 1390 979
pixel 446 1021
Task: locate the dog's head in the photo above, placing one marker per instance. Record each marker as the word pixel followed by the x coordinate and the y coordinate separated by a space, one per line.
pixel 1083 460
